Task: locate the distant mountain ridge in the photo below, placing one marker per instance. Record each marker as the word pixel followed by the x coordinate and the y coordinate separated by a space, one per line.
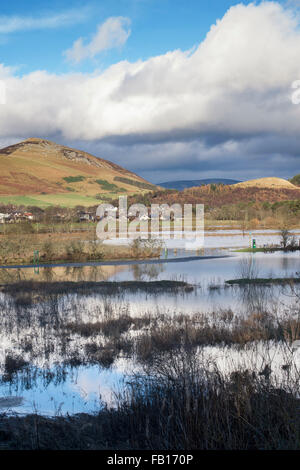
pixel 180 185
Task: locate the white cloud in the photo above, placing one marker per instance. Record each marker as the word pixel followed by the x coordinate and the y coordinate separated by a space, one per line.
pixel 12 24
pixel 114 32
pixel 236 85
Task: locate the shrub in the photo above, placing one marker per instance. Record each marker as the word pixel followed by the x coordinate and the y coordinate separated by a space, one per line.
pixel 74 179
pixel 138 184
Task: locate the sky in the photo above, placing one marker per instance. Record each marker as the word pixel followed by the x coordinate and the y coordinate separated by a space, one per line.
pixel 170 89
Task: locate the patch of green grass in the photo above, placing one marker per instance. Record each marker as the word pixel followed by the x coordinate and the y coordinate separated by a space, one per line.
pixel 113 188
pixel 74 179
pixel 24 201
pixel 138 184
pixel 106 186
pixel 252 250
pixel 267 249
pixel 70 199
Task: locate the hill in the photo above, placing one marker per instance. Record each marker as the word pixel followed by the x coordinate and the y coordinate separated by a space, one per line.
pixel 220 196
pixel 40 172
pixel 271 182
pixel 181 185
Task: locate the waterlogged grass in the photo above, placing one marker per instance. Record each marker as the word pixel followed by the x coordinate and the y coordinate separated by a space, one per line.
pixel 104 287
pixel 179 400
pixel 267 249
pixel 264 281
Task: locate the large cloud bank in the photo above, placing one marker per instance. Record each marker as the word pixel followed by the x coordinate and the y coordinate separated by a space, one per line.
pixel 225 105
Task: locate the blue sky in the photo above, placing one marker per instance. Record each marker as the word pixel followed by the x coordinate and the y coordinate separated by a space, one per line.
pixel 158 26
pixel 171 89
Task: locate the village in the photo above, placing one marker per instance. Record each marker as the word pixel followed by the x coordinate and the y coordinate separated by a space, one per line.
pixel 20 216
pixel 14 217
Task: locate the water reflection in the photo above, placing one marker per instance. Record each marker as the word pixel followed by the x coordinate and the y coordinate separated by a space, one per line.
pixel 147 272
pixel 61 353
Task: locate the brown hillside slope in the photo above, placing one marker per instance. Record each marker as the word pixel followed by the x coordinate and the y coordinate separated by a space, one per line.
pixel 38 166
pixel 214 197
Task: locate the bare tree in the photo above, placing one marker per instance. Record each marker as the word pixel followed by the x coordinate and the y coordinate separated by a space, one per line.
pixel 285 237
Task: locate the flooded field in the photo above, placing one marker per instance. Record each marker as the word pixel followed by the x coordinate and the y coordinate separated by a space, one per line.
pixel 69 345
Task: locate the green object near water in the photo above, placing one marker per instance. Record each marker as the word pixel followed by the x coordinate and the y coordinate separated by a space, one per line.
pixel 36 260
pixel 254 244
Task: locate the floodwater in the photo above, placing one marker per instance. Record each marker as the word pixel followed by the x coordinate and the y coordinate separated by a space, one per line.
pixel 51 383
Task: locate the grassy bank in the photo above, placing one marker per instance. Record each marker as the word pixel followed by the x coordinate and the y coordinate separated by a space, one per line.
pixel 69 247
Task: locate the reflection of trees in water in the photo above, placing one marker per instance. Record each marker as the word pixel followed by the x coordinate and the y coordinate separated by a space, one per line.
pixel 30 377
pixel 48 274
pixel 285 263
pixel 85 273
pixel 261 298
pixel 143 272
pixel 247 268
pixel 11 275
pixel 255 298
pixel 92 273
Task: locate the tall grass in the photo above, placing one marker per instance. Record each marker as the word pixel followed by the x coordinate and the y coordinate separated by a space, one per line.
pixel 182 404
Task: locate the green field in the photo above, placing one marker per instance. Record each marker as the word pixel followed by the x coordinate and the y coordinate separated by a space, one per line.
pixel 45 200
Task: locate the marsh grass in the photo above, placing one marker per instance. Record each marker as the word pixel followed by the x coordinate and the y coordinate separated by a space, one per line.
pixel 57 324
pixel 29 289
pixel 181 399
pixel 180 404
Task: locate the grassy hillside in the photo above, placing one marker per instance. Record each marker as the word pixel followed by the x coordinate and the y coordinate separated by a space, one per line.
pixel 270 182
pixel 41 173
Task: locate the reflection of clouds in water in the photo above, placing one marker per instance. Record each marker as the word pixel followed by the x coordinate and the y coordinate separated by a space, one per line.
pixel 94 383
